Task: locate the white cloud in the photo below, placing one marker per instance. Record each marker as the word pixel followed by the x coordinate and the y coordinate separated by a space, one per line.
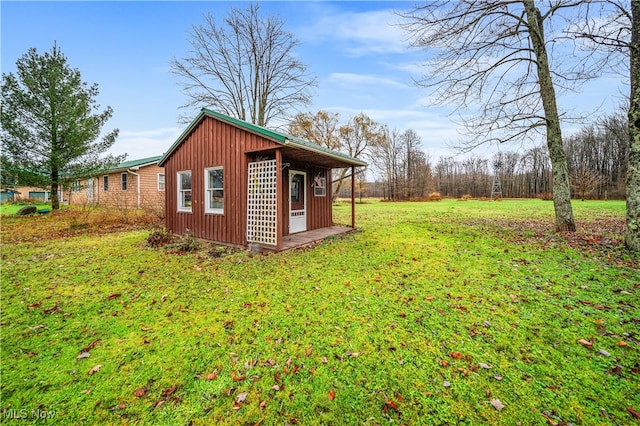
pixel 145 143
pixel 352 80
pixel 361 33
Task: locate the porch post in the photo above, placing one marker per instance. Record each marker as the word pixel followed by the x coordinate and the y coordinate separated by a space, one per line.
pixel 353 196
pixel 279 199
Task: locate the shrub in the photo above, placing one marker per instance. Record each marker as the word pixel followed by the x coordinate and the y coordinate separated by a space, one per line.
pixel 186 243
pixel 435 196
pixel 546 196
pixel 159 237
pixel 466 197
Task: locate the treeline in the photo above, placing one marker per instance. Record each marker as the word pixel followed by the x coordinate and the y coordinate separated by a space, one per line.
pixel 597 157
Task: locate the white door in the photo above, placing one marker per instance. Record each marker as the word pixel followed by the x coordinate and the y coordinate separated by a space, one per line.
pixel 297 202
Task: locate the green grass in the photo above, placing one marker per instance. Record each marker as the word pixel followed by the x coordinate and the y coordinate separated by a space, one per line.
pixel 362 329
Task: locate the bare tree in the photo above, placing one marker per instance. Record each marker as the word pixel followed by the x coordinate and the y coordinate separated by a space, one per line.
pixel 244 68
pixel 614 28
pixel 494 56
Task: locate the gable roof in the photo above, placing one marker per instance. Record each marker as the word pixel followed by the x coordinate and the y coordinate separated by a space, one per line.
pixel 335 158
pixel 135 164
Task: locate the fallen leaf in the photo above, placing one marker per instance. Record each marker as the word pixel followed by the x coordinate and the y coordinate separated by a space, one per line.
pixel 604 353
pixel 114 296
pixel 309 351
pixel 324 360
pixel 585 343
pixel 622 343
pixel 456 355
pixel 498 377
pixel 212 376
pixel 241 397
pixel 94 369
pixel 497 404
pixel 634 413
pixel 83 355
pixel 446 384
pixel 483 365
pixel 237 378
pixel 444 362
pixel 90 346
pixel 332 395
pixel 169 391
pixel 275 388
pixel 140 392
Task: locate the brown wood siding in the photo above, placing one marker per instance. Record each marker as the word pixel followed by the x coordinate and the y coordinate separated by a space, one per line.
pixel 213 143
pixel 319 209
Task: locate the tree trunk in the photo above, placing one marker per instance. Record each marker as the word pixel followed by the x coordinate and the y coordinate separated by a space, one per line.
pixel 560 170
pixel 55 201
pixel 632 236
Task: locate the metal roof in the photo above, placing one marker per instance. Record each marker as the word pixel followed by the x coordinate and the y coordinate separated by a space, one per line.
pixel 135 164
pixel 331 158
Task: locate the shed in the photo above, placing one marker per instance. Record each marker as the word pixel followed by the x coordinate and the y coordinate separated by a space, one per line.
pixel 237 183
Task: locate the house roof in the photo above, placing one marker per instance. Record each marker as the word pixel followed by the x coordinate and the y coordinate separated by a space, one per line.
pixel 136 164
pixel 296 147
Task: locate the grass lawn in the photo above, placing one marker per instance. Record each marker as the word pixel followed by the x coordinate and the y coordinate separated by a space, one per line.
pixel 433 313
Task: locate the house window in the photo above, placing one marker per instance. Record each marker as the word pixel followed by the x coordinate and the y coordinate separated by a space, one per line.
pixel 184 191
pixel 123 178
pixel 160 181
pixel 90 189
pixel 214 190
pixel 319 186
pixel 75 186
pixel 105 183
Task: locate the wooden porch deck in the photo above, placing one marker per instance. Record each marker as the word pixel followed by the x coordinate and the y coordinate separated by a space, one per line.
pixel 302 239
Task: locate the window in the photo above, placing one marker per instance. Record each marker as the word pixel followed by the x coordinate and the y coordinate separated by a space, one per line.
pixel 90 189
pixel 319 186
pixel 75 186
pixel 160 181
pixel 184 191
pixel 214 190
pixel 105 183
pixel 123 178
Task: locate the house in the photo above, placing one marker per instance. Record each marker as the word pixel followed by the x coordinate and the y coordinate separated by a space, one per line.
pixel 237 183
pixel 133 184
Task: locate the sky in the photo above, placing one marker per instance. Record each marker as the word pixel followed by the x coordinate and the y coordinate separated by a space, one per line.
pixel 361 59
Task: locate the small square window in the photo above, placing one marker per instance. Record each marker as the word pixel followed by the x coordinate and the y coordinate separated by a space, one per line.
pixel 319 186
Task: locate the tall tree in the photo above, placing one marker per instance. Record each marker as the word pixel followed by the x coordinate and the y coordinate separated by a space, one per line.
pixel 51 123
pixel 494 54
pixel 321 128
pixel 614 28
pixel 632 236
pixel 244 67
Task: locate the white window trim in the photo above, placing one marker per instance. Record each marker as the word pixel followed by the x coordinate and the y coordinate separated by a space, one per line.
pixel 105 183
pixel 207 208
pixel 322 187
pixel 164 182
pixel 124 181
pixel 179 188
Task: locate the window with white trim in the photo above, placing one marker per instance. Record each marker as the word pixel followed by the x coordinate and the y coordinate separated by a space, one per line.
pixel 105 183
pixel 214 190
pixel 160 181
pixel 124 181
pixel 184 191
pixel 319 186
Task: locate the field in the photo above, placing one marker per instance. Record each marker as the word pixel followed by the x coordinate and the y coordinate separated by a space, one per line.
pixel 452 312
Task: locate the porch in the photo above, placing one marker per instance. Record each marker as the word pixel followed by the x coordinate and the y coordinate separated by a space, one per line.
pixel 302 239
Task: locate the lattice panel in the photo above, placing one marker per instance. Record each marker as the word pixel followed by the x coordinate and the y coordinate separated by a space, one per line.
pixel 261 203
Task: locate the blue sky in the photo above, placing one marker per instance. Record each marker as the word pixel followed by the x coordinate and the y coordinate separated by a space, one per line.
pixel 361 60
